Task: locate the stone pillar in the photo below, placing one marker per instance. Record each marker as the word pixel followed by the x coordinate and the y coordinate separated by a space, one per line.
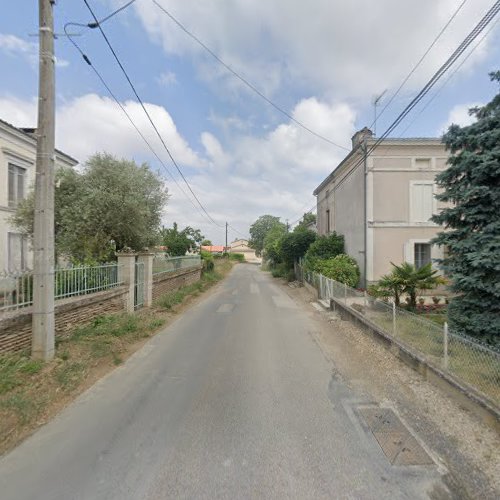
pixel 147 259
pixel 126 274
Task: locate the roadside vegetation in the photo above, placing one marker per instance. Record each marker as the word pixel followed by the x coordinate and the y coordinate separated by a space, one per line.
pixel 32 391
pixel 321 254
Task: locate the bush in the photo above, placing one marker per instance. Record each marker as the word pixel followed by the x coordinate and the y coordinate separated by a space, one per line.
pixel 279 271
pixel 208 261
pixel 326 247
pixel 341 268
pixel 237 256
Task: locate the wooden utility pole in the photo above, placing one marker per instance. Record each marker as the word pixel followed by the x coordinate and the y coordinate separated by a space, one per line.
pixel 226 239
pixel 43 342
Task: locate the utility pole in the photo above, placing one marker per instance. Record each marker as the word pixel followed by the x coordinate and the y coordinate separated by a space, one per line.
pixel 43 341
pixel 226 237
pixel 287 226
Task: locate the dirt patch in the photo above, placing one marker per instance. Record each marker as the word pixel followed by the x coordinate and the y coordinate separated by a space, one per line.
pixel 33 392
pixel 467 447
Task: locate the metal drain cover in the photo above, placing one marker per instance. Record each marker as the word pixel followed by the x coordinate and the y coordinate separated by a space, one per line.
pixel 398 445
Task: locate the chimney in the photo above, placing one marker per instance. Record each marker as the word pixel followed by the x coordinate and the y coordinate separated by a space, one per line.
pixel 360 136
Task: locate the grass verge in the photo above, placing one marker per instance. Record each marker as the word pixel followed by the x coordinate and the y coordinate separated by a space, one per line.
pixel 31 392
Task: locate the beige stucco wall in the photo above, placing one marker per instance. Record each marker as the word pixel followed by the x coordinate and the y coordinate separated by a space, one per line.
pixel 394 244
pixel 391 194
pixel 349 215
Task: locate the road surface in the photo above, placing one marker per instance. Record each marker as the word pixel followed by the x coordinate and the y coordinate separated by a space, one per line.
pixel 234 400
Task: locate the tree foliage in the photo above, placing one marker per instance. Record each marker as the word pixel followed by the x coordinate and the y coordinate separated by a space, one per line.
pixel 111 205
pixel 471 185
pixel 324 247
pixel 259 230
pixel 272 243
pixel 307 219
pixel 294 245
pixel 179 242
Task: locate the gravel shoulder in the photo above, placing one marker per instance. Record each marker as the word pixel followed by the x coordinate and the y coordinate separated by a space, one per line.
pixel 467 448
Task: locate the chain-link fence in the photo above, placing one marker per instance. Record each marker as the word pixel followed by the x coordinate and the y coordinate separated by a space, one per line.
pixel 463 357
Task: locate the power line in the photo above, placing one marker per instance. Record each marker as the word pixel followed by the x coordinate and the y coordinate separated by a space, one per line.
pixel 476 31
pixel 101 78
pixel 452 74
pixel 236 231
pixel 103 20
pixel 415 67
pixel 244 80
pixel 147 113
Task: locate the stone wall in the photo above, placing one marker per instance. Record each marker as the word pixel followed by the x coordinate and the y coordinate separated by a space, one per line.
pixel 169 282
pixel 15 329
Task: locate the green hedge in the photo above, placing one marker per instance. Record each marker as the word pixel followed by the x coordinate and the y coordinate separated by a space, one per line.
pixel 341 268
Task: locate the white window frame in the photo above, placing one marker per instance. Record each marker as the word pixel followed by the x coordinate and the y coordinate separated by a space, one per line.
pixel 409 251
pixel 431 160
pixel 18 171
pixel 24 252
pixel 412 208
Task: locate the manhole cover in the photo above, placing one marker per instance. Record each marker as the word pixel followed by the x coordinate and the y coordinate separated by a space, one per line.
pixel 397 443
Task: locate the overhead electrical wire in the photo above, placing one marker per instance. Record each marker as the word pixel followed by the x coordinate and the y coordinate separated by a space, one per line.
pixel 451 75
pixel 111 93
pixel 476 31
pixel 132 86
pixel 244 80
pixel 419 62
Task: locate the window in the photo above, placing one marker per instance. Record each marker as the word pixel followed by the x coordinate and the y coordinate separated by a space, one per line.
pixel 423 163
pixel 16 184
pixel 17 251
pixel 421 201
pixel 328 221
pixel 422 255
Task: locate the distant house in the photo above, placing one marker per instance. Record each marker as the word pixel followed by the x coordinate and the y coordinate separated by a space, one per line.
pixel 216 249
pixel 382 202
pixel 241 246
pixel 17 175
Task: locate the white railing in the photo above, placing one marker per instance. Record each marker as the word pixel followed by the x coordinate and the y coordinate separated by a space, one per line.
pixel 463 357
pixel 163 264
pixel 16 288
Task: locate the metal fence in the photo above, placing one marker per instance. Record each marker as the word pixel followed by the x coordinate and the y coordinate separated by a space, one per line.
pixel 163 264
pixel 16 288
pixel 463 357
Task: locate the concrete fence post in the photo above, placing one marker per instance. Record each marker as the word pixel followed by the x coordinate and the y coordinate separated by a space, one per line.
pixel 445 345
pixel 126 275
pixel 394 319
pixel 345 293
pixel 147 259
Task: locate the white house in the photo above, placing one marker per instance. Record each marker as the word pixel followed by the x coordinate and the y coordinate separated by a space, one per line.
pixel 17 175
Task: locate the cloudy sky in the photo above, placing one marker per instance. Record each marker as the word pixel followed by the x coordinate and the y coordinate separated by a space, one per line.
pixel 321 61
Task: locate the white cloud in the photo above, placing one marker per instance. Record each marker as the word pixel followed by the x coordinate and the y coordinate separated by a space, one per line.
pixel 329 47
pixel 92 123
pixel 17 47
pixel 167 79
pixel 459 115
pixel 238 181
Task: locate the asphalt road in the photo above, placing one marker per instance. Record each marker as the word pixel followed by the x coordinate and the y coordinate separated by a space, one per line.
pixel 233 400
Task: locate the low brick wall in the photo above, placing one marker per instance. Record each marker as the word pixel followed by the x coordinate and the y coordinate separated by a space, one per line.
pixel 169 282
pixel 15 329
